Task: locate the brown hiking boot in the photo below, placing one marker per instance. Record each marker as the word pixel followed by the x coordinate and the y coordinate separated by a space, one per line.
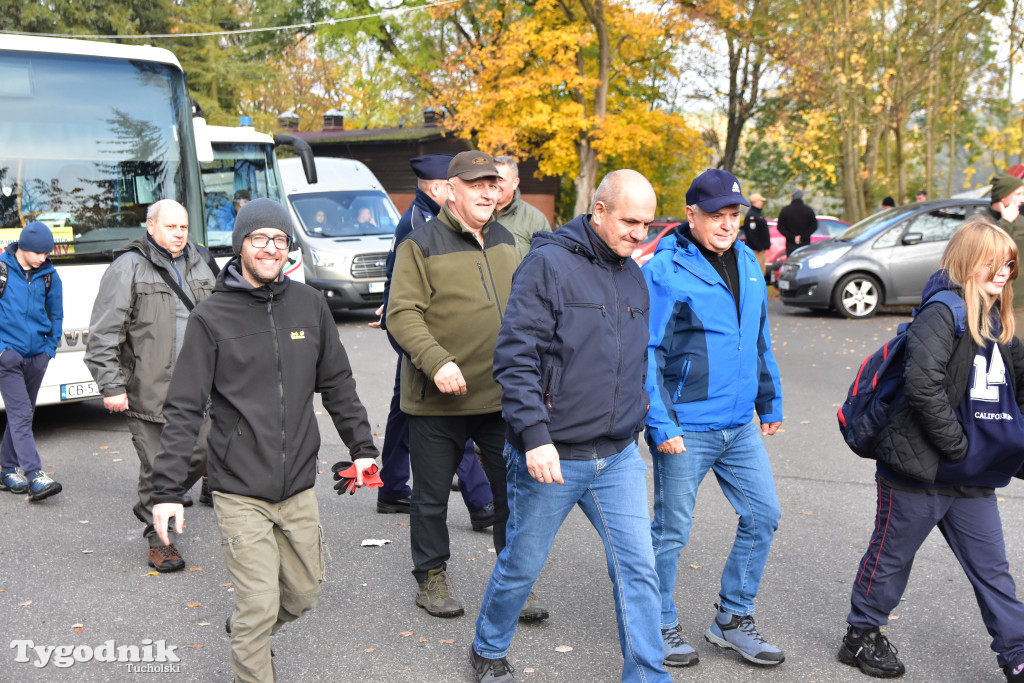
pixel 435 597
pixel 165 558
pixel 533 610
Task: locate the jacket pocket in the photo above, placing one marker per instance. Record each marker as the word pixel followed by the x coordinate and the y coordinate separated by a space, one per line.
pixel 682 381
pixel 552 380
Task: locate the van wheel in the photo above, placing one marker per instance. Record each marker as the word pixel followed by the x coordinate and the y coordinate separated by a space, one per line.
pixel 857 296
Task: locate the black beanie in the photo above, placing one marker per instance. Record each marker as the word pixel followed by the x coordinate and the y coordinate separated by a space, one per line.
pixel 259 213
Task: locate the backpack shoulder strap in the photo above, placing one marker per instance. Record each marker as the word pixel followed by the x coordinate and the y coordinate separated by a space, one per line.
pixel 956 305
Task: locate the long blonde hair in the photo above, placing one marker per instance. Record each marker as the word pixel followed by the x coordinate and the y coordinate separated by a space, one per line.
pixel 979 246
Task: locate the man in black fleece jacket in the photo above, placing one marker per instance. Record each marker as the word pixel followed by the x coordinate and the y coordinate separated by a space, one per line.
pixel 257 349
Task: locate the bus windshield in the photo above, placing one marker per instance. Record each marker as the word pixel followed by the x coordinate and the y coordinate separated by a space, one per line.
pixel 239 172
pixel 88 144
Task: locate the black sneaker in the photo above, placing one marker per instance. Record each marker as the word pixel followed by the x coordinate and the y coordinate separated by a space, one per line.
pixel 872 652
pixel 1012 674
pixel 482 518
pixel 490 670
pixel 390 507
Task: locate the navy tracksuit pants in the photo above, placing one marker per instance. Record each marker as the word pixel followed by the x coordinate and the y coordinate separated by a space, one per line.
pixel 394 457
pixel 20 379
pixel 973 531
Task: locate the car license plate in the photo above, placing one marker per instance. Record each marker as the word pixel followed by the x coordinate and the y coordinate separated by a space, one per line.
pixel 70 392
pixel 376 287
pixel 783 284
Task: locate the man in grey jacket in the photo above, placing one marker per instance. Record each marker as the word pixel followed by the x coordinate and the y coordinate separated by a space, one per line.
pixel 135 335
pixel 518 217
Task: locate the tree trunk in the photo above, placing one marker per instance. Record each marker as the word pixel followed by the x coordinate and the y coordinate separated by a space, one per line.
pixel 586 179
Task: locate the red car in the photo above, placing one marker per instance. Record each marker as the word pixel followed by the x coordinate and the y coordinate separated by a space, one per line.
pixel 775 256
pixel 655 231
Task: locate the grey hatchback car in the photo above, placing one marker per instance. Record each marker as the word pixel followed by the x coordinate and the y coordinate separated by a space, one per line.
pixel 884 260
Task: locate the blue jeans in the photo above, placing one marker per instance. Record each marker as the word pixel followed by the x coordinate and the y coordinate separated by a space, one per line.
pixel 740 463
pixel 612 492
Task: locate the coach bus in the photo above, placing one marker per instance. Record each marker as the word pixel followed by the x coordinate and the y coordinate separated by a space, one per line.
pixel 91 134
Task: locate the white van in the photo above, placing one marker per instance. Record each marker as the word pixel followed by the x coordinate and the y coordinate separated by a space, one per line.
pixel 345 223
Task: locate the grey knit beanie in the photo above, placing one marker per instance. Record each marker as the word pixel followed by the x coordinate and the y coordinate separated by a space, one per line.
pixel 259 213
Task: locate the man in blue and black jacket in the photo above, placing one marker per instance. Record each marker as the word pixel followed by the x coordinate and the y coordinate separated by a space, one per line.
pixel 711 371
pixel 570 359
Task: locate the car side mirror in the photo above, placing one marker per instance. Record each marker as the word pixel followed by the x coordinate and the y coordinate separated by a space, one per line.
pixel 913 238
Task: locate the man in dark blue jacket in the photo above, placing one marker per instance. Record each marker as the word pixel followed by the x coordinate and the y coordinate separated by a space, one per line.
pixel 570 359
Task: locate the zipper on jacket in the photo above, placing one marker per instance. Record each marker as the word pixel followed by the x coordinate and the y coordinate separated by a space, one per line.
pixel 280 391
pixel 604 311
pixel 618 346
pixel 482 280
pixel 547 386
pixel 634 312
pixel 501 316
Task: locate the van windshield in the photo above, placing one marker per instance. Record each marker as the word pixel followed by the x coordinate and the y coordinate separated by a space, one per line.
pixel 345 214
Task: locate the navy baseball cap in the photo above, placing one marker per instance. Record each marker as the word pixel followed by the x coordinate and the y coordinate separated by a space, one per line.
pixel 713 189
pixel 431 166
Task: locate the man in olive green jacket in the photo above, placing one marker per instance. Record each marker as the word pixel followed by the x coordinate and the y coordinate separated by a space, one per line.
pixel 518 217
pixel 449 288
pixel 1007 196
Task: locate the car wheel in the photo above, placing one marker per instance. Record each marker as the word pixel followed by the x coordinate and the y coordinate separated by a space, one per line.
pixel 857 296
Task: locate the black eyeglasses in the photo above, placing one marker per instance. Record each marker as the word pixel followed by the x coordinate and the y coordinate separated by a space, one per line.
pixel 261 241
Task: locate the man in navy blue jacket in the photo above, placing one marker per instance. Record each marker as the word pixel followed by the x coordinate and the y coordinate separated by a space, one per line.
pixel 570 359
pixel 711 372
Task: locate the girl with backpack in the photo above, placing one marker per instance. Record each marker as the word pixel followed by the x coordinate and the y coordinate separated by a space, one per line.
pixel 954 438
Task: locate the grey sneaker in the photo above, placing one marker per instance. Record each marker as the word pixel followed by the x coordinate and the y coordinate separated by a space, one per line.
pixel 677 651
pixel 436 598
pixel 490 670
pixel 739 633
pixel 533 610
pixel 13 479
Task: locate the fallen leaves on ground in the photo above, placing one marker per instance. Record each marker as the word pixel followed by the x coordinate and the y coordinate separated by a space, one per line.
pixel 369 649
pixel 806 512
pixel 195 569
pixel 694 566
pixel 563 648
pixel 406 634
pixel 893 617
pixel 25 604
pixel 447 641
pixel 194 604
pixel 77 628
pixel 195 646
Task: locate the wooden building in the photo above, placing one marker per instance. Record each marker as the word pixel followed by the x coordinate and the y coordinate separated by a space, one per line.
pixel 386 151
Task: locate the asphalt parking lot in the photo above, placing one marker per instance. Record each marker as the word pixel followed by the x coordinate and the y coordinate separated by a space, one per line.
pixel 73 570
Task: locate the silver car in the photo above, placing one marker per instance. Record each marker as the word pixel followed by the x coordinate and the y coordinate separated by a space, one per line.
pixel 884 260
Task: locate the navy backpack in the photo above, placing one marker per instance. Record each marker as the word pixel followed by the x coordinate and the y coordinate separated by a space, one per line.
pixel 879 383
